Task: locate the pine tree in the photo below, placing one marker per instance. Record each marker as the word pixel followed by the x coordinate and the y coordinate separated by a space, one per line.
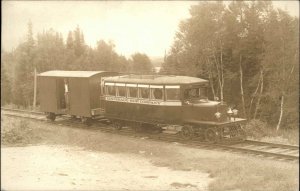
pixel 5 85
pixel 23 86
pixel 141 64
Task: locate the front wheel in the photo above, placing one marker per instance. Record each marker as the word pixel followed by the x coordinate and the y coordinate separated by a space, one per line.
pixel 51 116
pixel 211 135
pixel 242 134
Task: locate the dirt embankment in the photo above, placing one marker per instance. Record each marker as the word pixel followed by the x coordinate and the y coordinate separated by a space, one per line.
pixel 42 156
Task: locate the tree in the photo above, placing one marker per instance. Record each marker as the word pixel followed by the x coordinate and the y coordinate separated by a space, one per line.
pixel 70 41
pixel 5 83
pixel 281 66
pixel 141 64
pixel 50 51
pixel 23 84
pixel 79 44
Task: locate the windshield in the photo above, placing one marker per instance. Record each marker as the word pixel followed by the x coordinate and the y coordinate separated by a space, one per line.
pixel 195 93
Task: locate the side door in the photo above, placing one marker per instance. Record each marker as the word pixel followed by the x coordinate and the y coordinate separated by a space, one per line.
pixel 47 94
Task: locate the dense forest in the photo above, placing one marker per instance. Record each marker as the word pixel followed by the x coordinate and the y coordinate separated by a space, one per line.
pixel 250 53
pixel 248 50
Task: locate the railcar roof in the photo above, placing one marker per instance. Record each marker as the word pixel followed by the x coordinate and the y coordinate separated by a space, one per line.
pixel 155 79
pixel 61 73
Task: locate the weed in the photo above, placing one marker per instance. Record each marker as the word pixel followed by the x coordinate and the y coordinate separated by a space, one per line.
pixel 259 130
pixel 256 128
pixel 23 124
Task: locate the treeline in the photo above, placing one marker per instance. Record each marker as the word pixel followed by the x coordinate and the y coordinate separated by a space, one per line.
pixel 250 53
pixel 49 51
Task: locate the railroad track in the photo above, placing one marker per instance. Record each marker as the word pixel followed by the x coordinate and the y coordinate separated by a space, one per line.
pixel 23 113
pixel 257 148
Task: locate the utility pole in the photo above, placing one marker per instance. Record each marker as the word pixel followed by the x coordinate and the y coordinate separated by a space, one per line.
pixel 34 89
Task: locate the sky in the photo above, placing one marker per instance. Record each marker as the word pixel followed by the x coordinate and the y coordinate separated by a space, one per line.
pixel 133 26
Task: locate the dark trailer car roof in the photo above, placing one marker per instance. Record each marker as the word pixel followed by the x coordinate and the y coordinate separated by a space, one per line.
pixel 155 79
pixel 72 74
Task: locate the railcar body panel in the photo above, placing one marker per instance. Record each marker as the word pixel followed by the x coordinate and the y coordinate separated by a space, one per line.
pixel 148 109
pixel 47 94
pixel 230 121
pixel 148 113
pixel 71 92
pixel 185 109
pixel 79 97
pixel 204 111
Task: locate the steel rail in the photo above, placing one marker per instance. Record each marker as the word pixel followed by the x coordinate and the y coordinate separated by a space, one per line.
pixel 260 152
pixel 22 111
pixel 272 144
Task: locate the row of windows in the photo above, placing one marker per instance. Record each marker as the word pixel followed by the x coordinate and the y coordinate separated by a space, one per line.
pixel 172 93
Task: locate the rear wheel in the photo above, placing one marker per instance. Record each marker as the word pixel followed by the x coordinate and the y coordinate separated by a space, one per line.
pixel 242 134
pixel 86 120
pixel 137 127
pixel 187 132
pixel 51 116
pixel 211 135
pixel 117 125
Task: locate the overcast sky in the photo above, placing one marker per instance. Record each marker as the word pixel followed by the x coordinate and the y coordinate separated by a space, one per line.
pixel 148 27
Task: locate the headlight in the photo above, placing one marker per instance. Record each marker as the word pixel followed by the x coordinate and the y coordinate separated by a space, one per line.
pixel 218 115
pixel 229 112
pixel 235 112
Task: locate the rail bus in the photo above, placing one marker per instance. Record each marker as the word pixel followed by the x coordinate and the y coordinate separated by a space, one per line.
pixel 165 103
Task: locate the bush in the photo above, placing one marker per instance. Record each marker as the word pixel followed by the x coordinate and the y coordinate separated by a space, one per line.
pixel 19 133
pixel 256 128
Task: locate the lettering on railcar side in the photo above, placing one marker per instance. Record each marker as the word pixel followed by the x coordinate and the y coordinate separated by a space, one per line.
pixel 133 100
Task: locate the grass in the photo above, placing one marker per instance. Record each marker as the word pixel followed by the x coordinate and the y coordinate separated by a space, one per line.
pixel 13 106
pixel 232 172
pixel 290 136
pixel 229 171
pixel 236 172
pixel 259 130
pixel 20 132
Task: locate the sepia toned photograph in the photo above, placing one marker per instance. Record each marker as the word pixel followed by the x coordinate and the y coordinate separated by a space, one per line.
pixel 150 95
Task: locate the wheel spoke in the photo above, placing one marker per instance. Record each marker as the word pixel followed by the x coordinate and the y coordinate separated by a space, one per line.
pixel 210 135
pixel 187 132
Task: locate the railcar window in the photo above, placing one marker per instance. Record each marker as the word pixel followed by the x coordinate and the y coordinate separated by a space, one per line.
pixel 192 93
pixel 122 91
pixel 144 92
pixel 173 94
pixel 196 93
pixel 156 93
pixel 110 90
pixel 203 93
pixel 132 91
